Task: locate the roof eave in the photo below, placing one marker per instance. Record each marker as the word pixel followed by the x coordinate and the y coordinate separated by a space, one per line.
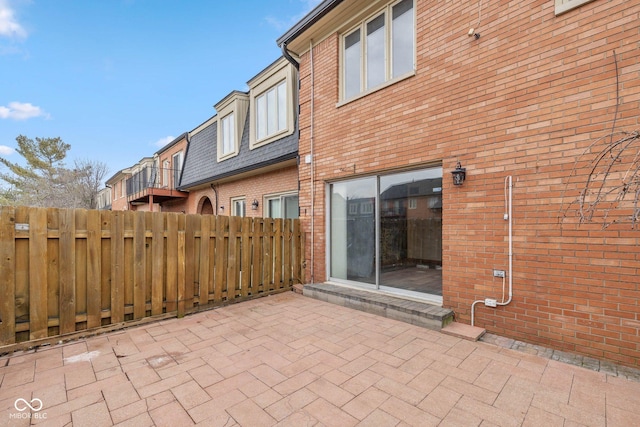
pixel 310 19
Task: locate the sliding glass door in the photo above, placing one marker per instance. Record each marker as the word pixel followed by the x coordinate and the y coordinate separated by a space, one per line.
pixel 352 230
pixel 386 232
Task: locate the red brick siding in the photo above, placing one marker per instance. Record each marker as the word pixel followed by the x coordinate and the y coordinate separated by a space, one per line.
pixel 254 187
pixel 525 100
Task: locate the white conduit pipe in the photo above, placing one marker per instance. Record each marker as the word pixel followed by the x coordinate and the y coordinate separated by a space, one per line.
pixel 508 182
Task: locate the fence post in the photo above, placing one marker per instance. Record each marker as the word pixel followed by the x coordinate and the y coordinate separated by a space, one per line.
pixel 7 278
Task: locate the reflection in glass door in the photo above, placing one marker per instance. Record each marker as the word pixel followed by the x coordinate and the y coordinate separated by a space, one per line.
pixel 352 230
pixel 387 232
pixel 411 231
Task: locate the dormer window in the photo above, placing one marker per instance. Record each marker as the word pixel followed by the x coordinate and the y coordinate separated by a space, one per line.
pixel 232 112
pixel 272 95
pixel 271 111
pixel 227 134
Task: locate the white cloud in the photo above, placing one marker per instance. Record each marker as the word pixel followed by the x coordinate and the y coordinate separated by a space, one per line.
pixel 164 141
pixel 6 151
pixel 9 26
pixel 21 111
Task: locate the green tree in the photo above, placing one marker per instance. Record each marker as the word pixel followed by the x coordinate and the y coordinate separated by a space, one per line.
pixel 43 180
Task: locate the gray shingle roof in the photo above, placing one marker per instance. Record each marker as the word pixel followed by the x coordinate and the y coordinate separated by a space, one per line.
pixel 201 165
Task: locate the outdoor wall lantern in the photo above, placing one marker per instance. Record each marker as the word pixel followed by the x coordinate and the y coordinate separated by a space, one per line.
pixel 459 174
pixel 254 205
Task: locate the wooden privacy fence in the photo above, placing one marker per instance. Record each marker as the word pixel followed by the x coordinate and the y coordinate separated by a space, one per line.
pixel 64 271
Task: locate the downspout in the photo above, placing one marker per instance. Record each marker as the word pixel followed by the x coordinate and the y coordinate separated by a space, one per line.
pixel 288 56
pixel 295 63
pixel 313 162
pixel 215 191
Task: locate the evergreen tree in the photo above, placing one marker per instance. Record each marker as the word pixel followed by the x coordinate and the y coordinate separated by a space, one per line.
pixel 43 180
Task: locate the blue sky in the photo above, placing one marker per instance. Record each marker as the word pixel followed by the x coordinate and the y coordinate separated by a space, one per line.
pixel 118 79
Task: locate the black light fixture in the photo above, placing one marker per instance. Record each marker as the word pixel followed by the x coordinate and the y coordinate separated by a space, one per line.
pixel 459 174
pixel 254 204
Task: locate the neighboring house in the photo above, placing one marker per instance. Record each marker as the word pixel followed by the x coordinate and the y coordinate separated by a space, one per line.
pixel 394 96
pixel 153 184
pixel 118 185
pixel 243 160
pixel 104 199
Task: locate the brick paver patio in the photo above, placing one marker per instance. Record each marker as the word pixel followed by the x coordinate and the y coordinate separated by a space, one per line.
pixel 292 360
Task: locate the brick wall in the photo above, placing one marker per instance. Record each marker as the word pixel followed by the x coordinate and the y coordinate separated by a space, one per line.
pixel 526 99
pixel 254 187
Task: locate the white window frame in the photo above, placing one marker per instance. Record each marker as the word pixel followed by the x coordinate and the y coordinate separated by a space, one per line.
pixel 563 6
pixel 279 72
pixel 388 60
pixel 272 112
pixel 227 134
pixel 233 108
pixel 280 197
pixel 239 202
pixel 413 203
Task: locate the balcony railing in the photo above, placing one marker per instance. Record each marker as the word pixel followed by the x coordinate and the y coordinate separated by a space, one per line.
pixel 154 181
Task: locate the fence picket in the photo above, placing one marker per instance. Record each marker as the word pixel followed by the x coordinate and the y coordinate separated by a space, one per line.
pixel 139 276
pixel 117 267
pixel 94 259
pixel 172 268
pixel 68 270
pixel 233 261
pixel 205 268
pixel 158 260
pixel 7 278
pixel 38 316
pixel 219 261
pixel 245 263
pixel 286 263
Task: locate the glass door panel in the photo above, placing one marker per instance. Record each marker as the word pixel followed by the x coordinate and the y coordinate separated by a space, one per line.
pixel 352 230
pixel 411 231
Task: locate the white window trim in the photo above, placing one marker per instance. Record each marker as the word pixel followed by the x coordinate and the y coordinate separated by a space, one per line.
pixel 280 196
pixel 235 200
pixel 362 25
pixel 563 6
pixel 282 70
pixel 236 103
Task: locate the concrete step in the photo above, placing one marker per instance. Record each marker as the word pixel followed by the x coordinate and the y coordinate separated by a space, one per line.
pixel 423 314
pixel 461 330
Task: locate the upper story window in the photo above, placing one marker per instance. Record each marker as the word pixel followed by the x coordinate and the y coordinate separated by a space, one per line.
pixel 227 136
pixel 271 102
pixel 232 112
pixel 566 5
pixel 271 111
pixel 380 49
